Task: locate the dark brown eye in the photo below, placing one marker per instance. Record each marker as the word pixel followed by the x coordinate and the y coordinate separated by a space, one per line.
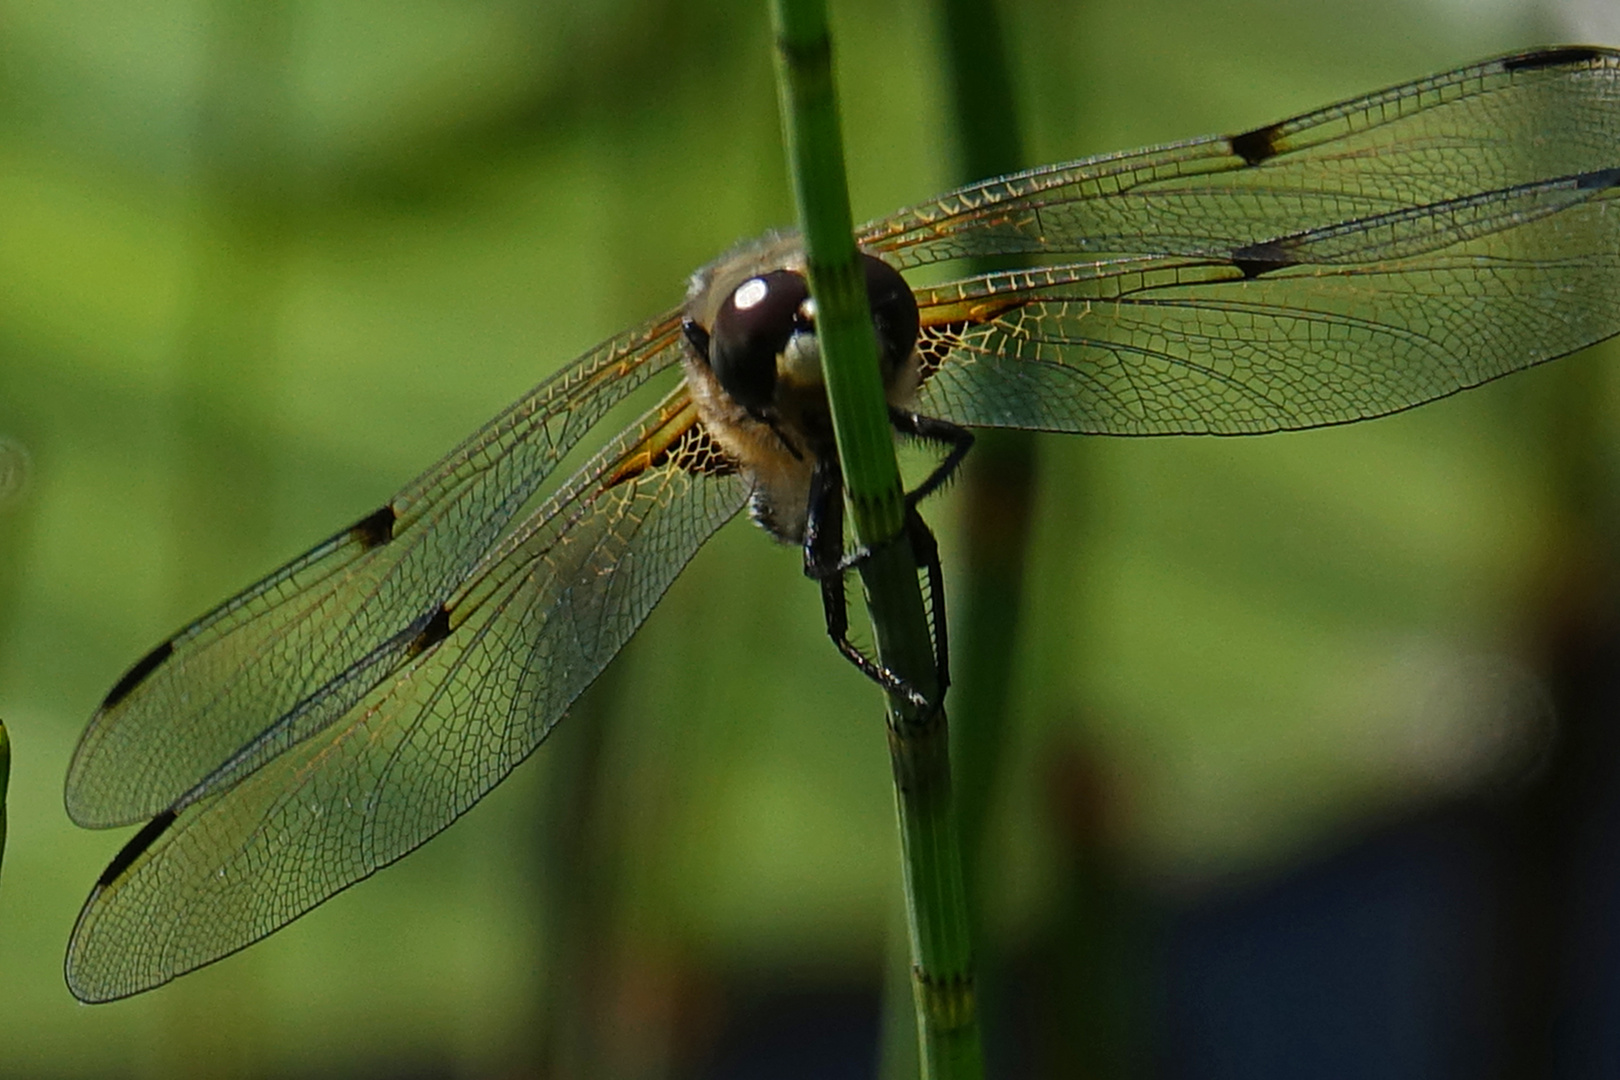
pixel 751 330
pixel 894 313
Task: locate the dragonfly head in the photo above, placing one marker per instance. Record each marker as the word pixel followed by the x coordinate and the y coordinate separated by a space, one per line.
pixel 763 346
pixel 765 332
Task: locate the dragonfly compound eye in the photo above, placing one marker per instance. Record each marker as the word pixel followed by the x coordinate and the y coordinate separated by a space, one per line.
pixel 751 330
pixel 894 313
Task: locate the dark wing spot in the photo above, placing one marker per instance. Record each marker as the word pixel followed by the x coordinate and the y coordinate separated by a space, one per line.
pixel 375 530
pixel 1257 145
pixel 136 846
pixel 1566 54
pixel 436 630
pixel 1252 260
pixel 1598 181
pixel 137 674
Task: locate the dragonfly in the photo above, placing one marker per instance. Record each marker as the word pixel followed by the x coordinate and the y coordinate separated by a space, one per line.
pixel 1348 263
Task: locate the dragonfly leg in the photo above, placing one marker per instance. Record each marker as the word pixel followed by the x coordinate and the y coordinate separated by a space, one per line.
pixel 825 561
pixel 925 549
pixel 824 521
pixel 931 429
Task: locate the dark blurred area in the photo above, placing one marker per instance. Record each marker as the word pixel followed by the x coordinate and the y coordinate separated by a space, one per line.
pixel 1310 762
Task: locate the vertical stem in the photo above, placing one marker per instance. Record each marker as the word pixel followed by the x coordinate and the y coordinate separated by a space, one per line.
pixel 919 745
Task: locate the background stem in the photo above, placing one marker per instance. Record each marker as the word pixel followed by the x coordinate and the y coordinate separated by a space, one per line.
pixel 998 478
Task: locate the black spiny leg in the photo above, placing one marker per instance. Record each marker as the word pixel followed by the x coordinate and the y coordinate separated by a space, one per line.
pixel 960 440
pixel 824 522
pixel 933 430
pixel 824 562
pixel 925 549
pixel 923 545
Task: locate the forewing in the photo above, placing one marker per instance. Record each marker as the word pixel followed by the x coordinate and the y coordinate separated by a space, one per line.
pixel 472 695
pixel 303 641
pixel 1320 328
pixel 1500 124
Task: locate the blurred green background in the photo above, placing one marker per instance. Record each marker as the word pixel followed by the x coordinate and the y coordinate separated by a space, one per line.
pixel 260 262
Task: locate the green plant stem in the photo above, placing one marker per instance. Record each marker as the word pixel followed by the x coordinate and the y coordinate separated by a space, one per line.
pixel 919 744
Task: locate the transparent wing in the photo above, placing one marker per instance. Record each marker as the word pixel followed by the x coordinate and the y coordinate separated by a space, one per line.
pixel 1491 126
pixel 302 642
pixel 1240 322
pixel 452 711
pixel 1351 324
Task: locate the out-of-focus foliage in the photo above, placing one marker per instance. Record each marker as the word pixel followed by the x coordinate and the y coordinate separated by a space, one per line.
pixel 260 262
